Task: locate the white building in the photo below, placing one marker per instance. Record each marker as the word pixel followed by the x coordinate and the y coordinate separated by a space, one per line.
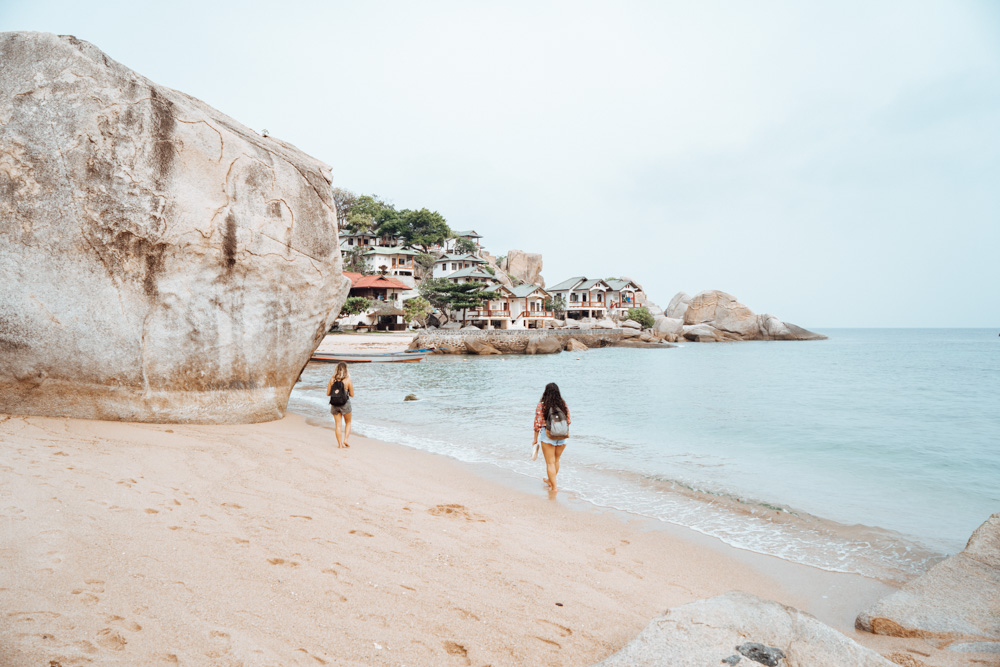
pixel 623 295
pixel 521 307
pixel 469 235
pixel 585 298
pixel 449 264
pixel 396 262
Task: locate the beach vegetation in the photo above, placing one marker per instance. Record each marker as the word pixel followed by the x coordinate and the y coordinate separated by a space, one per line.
pixel 557 304
pixel 416 310
pixel 420 229
pixel 355 305
pixel 642 316
pixel 464 246
pixel 447 295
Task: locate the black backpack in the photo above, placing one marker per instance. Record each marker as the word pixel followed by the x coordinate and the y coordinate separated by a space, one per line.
pixel 338 394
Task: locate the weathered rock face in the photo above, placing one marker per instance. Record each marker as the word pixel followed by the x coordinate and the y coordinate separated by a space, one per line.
pixel 741 629
pixel 573 345
pixel 525 266
pixel 547 345
pixel 668 325
pixel 158 260
pixel 729 320
pixel 476 346
pixel 956 602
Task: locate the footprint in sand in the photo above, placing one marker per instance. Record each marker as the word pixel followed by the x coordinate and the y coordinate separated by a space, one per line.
pixel 282 561
pixel 89 591
pixel 219 644
pixel 561 629
pixel 123 623
pixel 456 649
pixel 359 532
pixel 111 639
pixel 455 512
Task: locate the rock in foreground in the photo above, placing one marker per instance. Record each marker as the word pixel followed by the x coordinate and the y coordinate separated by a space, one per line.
pixel 956 602
pixel 741 629
pixel 159 261
pixel 715 316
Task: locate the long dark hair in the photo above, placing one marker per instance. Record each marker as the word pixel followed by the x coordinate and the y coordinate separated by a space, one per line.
pixel 551 398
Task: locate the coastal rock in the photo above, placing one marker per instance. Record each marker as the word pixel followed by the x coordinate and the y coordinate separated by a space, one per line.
pixel 678 306
pixel 741 629
pixel 702 333
pixel 668 325
pixel 573 345
pixel 642 344
pixel 956 601
pixel 631 324
pixel 630 333
pixel 525 266
pixel 606 323
pixel 160 262
pixel 437 319
pixel 653 309
pixel 451 326
pixel 731 319
pixel 476 346
pixel 648 338
pixel 543 345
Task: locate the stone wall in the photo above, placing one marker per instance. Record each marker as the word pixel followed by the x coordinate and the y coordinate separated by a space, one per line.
pixel 513 341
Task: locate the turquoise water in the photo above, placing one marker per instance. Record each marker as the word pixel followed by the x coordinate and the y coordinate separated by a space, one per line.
pixel 876 451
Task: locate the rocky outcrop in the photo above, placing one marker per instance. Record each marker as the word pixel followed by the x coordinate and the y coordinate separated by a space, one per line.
pixel 631 324
pixel 573 345
pixel 715 316
pixel 668 325
pixel 525 266
pixel 481 347
pixel 957 602
pixel 159 261
pixel 543 345
pixel 741 629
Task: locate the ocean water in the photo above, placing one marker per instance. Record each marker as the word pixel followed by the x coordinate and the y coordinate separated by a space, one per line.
pixel 876 451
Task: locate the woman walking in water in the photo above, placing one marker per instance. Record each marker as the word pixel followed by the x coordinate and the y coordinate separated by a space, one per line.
pixel 552 417
pixel 340 389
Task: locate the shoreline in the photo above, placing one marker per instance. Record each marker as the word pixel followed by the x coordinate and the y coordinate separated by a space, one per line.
pixel 138 543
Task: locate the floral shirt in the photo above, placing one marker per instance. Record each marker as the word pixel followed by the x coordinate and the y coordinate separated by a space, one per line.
pixel 540 417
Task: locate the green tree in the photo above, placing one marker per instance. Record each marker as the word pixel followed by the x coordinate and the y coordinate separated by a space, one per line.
pixel 425 262
pixel 354 260
pixel 557 304
pixel 442 293
pixel 642 316
pixel 344 201
pixel 367 213
pixel 421 228
pixel 464 246
pixel 355 305
pixel 416 309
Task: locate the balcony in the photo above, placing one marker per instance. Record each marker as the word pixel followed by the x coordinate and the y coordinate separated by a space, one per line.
pixel 528 314
pixel 586 304
pixel 488 314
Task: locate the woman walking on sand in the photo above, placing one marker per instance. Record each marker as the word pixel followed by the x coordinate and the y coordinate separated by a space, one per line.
pixel 552 417
pixel 340 389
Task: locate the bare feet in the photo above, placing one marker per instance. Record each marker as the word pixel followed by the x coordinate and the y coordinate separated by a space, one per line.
pixel 346 445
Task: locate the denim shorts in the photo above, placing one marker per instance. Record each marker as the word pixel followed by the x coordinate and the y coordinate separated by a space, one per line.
pixel 344 409
pixel 558 442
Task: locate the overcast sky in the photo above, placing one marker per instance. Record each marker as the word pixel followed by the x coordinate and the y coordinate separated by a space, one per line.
pixel 833 163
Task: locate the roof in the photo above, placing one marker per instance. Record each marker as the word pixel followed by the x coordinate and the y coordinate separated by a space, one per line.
pixel 590 284
pixel 527 289
pixel 569 283
pixel 461 258
pixel 382 250
pixel 470 234
pixel 618 285
pixel 470 272
pixel 499 287
pixel 379 282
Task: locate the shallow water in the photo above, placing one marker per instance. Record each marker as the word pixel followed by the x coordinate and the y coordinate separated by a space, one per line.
pixel 874 452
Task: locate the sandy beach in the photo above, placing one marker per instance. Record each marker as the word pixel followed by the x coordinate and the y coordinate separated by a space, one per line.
pixel 383 341
pixel 141 544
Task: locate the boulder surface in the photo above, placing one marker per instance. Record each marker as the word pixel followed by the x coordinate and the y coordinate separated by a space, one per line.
pixel 525 266
pixel 741 629
pixel 160 262
pixel 956 602
pixel 730 319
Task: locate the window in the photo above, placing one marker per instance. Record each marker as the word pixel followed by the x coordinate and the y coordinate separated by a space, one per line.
pixel 350 242
pixel 572 297
pixel 600 297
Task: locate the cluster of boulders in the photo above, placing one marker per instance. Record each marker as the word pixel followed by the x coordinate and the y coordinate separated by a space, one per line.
pixel 159 261
pixel 715 316
pixel 954 607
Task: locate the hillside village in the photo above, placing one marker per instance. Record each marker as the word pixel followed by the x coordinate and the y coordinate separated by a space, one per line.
pixel 514 293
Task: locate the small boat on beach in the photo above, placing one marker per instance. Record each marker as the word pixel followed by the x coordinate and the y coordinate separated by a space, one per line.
pixel 409 356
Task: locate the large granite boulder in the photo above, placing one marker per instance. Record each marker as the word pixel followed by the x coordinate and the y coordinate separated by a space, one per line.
pixel 678 306
pixel 543 345
pixel 525 266
pixel 477 346
pixel 741 629
pixel 159 261
pixel 668 325
pixel 956 602
pixel 735 321
pixel 573 345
